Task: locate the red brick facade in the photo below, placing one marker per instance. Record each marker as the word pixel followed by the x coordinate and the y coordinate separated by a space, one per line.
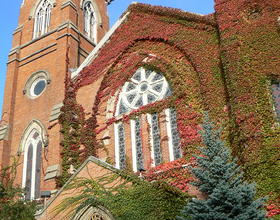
pixel 45 53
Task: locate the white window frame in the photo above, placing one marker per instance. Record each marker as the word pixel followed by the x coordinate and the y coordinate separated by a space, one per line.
pixel 29 140
pixel 42 18
pixel 133 145
pixel 117 148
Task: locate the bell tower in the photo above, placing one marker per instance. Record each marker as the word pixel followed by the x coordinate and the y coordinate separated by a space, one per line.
pixel 34 88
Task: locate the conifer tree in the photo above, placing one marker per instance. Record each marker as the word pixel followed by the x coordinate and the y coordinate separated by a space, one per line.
pixel 218 177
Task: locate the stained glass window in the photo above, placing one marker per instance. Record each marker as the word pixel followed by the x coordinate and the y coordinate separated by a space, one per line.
pixel 175 135
pixel 155 138
pixel 121 146
pixel 32 165
pixel 29 171
pixel 138 144
pixel 38 169
pixel 144 87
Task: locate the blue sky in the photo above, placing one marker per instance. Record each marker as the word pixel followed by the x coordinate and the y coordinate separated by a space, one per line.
pixel 10 12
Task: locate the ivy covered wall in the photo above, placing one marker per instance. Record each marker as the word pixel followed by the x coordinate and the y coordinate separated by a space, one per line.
pixel 221 63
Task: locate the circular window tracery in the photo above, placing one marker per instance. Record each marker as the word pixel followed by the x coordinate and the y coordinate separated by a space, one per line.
pixel 145 87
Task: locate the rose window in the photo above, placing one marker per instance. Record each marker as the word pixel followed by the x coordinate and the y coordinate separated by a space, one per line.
pixel 145 86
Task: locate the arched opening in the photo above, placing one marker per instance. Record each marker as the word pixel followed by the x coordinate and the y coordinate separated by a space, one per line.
pixel 143 88
pixel 42 20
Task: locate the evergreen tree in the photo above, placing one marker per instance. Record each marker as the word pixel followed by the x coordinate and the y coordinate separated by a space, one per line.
pixel 218 178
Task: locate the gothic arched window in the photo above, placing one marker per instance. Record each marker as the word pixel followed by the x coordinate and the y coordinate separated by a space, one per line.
pixel 90 22
pixel 42 18
pixel 145 87
pixel 32 165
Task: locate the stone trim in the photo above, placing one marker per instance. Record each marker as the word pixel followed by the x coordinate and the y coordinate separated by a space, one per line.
pixel 14 50
pixel 18 29
pixel 34 124
pixel 38 57
pixel 55 112
pixel 90 159
pixel 16 59
pixel 38 38
pixel 68 35
pixel 52 172
pixel 4 132
pixel 68 3
pixel 87 212
pixel 87 39
pixel 39 51
pixel 35 5
pixel 82 49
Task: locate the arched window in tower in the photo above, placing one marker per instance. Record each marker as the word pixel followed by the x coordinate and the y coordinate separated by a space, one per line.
pixel 90 22
pixel 145 87
pixel 32 165
pixel 42 18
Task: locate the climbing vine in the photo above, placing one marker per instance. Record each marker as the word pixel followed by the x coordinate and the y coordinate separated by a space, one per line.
pixel 218 63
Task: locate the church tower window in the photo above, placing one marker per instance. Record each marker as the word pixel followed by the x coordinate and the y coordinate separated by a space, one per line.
pixel 145 87
pixel 42 18
pixel 32 165
pixel 90 22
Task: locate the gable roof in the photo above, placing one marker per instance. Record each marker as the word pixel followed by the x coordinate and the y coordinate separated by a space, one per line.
pixel 134 8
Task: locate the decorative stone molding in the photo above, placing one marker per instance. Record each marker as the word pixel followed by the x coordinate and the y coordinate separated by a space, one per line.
pixel 4 132
pixel 34 124
pixel 89 160
pixel 52 172
pixel 55 112
pixel 68 3
pixel 35 5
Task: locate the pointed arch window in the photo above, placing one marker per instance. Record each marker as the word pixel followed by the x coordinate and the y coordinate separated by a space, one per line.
pixel 90 22
pixel 32 165
pixel 42 18
pixel 145 87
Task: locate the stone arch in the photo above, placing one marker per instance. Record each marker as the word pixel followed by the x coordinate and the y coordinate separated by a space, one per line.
pixel 34 124
pixel 38 74
pixel 35 5
pixel 87 213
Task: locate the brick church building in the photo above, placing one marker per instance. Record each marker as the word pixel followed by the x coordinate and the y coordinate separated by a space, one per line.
pixel 132 97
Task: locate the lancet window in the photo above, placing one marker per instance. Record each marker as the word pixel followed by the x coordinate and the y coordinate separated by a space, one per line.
pixel 32 165
pixel 90 22
pixel 42 18
pixel 145 87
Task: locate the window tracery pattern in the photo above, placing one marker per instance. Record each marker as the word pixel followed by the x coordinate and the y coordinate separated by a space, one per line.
pixel 32 165
pixel 96 216
pixel 155 138
pixel 42 18
pixel 90 22
pixel 145 87
pixel 137 151
pixel 121 145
